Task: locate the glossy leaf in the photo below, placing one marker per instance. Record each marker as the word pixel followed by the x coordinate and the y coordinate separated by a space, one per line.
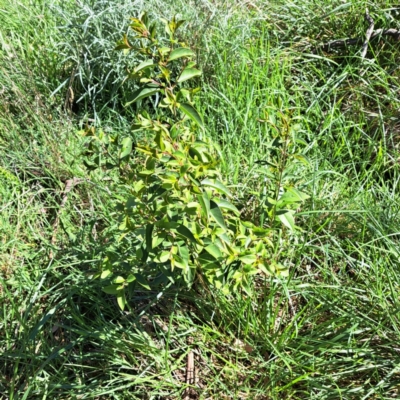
pixel 149 233
pixel 260 232
pixel 188 73
pixel 121 299
pixel 180 52
pixel 159 140
pixel 248 258
pixel 226 205
pixel 217 215
pixel 126 147
pixel 192 113
pixel 119 279
pixel 105 273
pixel 184 253
pixel 162 257
pixel 287 219
pixel 142 281
pixel 111 289
pixel 179 262
pixel 216 184
pixel 123 44
pixel 292 196
pixel 144 65
pixel 186 233
pixel 214 251
pixel 141 94
pixel 204 202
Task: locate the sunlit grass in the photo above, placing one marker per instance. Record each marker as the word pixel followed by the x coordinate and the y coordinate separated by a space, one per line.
pixel 329 331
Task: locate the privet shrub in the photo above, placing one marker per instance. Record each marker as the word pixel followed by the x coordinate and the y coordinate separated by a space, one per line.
pixel 178 224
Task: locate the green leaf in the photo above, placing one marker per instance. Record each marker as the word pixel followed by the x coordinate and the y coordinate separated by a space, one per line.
pixel 123 44
pixel 162 257
pixel 141 94
pixel 153 30
pixel 180 52
pixel 248 259
pixel 179 262
pixel 119 279
pixel 216 184
pixel 111 289
pixel 226 205
pixel 192 113
pixel 260 232
pixel 292 196
pixel 184 253
pixel 248 224
pixel 159 140
pixel 142 281
pixel 195 154
pixel 149 236
pixel 166 72
pixel 189 73
pixel 214 251
pixel 186 233
pixel 126 147
pixel 144 65
pixel 192 208
pixel 121 299
pixel 281 270
pixel 150 164
pixel 105 273
pixel 157 240
pixel 165 224
pixel 287 219
pixel 139 185
pixel 164 50
pixel 217 214
pixel 204 201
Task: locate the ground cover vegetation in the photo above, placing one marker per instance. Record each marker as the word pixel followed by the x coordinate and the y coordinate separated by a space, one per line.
pixel 289 120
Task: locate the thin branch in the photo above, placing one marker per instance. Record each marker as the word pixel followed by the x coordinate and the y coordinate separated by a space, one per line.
pixel 70 95
pixel 395 33
pixel 190 371
pixel 368 35
pixel 69 185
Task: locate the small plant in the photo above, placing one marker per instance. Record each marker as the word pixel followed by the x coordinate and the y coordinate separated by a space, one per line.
pixel 280 200
pixel 176 219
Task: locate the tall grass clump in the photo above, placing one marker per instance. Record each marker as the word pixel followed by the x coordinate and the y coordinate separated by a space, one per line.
pixel 96 73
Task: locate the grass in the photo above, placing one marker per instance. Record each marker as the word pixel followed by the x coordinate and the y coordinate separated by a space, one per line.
pixel 329 331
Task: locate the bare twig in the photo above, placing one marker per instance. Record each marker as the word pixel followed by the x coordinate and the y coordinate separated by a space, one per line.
pixel 69 185
pixel 395 33
pixel 94 232
pixel 190 372
pixel 368 35
pixel 70 95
